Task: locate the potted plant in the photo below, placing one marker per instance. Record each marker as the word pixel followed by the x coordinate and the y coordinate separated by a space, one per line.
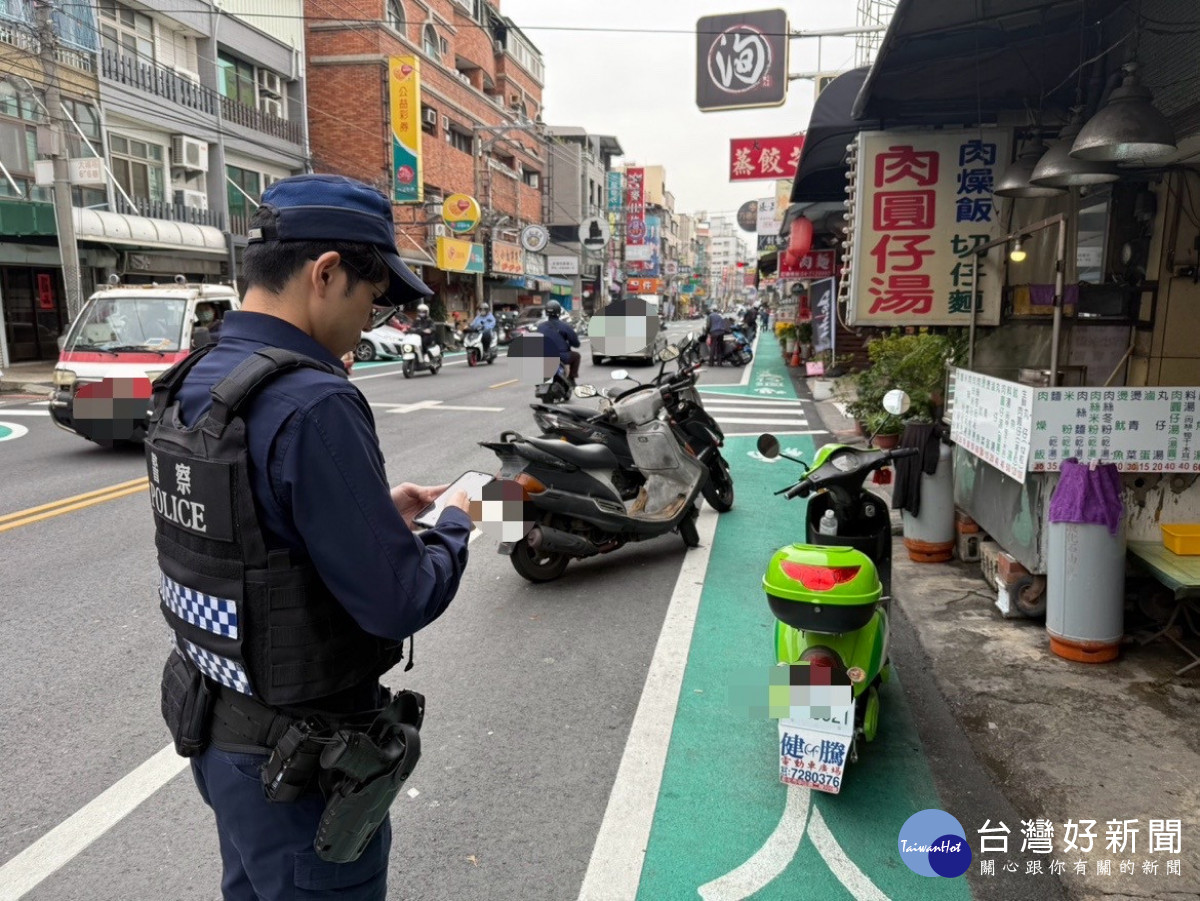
pixel 786 333
pixel 915 363
pixel 804 335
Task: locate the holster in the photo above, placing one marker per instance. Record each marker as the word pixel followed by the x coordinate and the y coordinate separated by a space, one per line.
pixel 294 761
pixel 362 772
pixel 187 703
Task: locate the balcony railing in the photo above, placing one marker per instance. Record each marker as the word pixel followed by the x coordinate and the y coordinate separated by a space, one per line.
pixel 173 212
pixel 169 85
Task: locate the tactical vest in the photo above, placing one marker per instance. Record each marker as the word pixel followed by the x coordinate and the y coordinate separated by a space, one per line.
pixel 252 618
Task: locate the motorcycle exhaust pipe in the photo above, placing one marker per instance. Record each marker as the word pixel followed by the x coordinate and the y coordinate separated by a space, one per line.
pixel 544 538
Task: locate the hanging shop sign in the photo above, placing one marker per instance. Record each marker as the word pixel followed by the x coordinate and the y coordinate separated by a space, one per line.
pixel 404 101
pixel 562 265
pixel 461 213
pixel 635 206
pixel 922 202
pixel 459 256
pixel 637 253
pixel 615 190
pixel 643 286
pixel 507 258
pixel 534 238
pixel 814 264
pixel 742 60
pixel 751 159
pixel 594 234
pixel 747 216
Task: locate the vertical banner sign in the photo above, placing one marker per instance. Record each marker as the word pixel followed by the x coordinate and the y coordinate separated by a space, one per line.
pixel 635 206
pixel 615 191
pixel 404 98
pixel 924 200
pixel 742 60
pixel 824 317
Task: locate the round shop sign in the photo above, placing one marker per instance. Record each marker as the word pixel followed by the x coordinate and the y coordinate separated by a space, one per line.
pixel 747 216
pixel 461 213
pixel 534 238
pixel 594 234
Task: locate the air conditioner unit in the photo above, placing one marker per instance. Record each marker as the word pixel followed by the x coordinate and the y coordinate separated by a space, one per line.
pixel 271 106
pixel 269 82
pixel 196 200
pixel 430 116
pixel 188 153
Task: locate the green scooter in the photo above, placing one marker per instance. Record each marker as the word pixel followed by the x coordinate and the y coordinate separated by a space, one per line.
pixel 828 598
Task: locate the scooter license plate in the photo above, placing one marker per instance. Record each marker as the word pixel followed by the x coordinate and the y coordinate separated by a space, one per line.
pixel 812 757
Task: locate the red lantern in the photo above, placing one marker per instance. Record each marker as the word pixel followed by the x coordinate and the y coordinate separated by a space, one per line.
pixel 791 262
pixel 800 237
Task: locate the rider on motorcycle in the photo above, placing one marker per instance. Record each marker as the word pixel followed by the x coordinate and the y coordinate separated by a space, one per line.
pixel 486 323
pixel 560 338
pixel 423 326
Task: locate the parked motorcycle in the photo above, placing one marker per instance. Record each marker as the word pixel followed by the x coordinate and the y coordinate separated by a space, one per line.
pixel 685 411
pixel 417 357
pixel 575 509
pixel 473 343
pixel 737 347
pixel 828 596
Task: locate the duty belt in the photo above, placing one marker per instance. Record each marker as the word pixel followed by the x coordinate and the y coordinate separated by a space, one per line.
pixel 245 726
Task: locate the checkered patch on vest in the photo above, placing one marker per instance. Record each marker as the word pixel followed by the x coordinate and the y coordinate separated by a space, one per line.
pixel 220 669
pixel 212 614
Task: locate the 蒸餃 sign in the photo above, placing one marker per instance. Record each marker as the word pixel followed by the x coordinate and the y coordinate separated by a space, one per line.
pixel 922 200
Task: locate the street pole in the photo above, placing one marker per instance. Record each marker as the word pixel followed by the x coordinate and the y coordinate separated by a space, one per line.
pixel 230 247
pixel 64 214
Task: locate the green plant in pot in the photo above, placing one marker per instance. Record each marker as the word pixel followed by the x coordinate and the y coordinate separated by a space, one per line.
pixel 915 363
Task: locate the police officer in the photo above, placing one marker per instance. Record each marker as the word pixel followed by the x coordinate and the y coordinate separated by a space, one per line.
pixel 289 572
pixel 560 338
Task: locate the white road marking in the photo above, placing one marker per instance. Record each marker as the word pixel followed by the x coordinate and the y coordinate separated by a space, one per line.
pixel 777 432
pixel 432 405
pixel 768 861
pixel 48 854
pixel 765 420
pixel 711 397
pixel 750 366
pixel 45 414
pixel 13 431
pixel 441 406
pixel 504 384
pixel 851 877
pixel 615 868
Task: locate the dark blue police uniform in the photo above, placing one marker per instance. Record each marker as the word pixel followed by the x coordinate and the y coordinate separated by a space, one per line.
pixel 559 338
pixel 319 485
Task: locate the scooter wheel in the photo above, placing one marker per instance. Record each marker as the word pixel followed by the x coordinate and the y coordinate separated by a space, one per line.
pixel 537 567
pixel 688 532
pixel 407 369
pixel 491 359
pixel 718 490
pixel 870 724
pixel 435 368
pixel 472 358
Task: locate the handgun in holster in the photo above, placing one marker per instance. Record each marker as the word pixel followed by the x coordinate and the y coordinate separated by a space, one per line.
pixel 362 772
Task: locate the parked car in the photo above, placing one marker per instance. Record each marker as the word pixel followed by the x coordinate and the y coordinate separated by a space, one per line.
pixel 381 343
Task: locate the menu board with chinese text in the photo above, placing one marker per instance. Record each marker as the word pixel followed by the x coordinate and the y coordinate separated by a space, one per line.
pixel 993 419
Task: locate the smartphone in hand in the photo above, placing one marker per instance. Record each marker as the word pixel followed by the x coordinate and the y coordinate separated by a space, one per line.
pixel 471 482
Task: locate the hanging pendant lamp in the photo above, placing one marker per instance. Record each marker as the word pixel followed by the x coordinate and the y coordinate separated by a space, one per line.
pixel 1127 129
pixel 1015 182
pixel 1058 169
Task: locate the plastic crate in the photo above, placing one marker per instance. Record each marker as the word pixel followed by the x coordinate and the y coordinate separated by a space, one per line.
pixel 1182 538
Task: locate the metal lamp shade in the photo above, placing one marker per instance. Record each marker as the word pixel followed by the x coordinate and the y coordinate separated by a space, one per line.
pixel 1016 180
pixel 1128 129
pixel 1058 169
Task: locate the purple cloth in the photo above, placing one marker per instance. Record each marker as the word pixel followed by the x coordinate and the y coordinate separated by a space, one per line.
pixel 1043 295
pixel 1085 495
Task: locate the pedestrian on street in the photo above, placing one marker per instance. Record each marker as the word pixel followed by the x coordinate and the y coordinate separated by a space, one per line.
pixel 716 338
pixel 290 574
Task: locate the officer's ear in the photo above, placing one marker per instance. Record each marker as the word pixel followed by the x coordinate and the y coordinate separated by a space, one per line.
pixel 324 271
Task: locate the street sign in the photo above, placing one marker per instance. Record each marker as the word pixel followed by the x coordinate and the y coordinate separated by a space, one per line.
pixel 534 238
pixel 562 265
pixel 86 171
pixel 741 60
pixel 594 234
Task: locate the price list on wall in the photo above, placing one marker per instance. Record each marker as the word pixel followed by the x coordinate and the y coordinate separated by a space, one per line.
pixel 993 419
pixel 1140 430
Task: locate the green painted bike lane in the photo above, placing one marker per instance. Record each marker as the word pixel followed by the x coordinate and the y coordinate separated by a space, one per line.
pixel 721 799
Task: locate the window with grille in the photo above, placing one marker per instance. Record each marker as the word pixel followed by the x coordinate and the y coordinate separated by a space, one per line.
pixel 138 167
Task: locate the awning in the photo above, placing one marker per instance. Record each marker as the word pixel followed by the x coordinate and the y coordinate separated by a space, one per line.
pixel 821 175
pixel 561 287
pixel 415 257
pixel 950 61
pixel 141 231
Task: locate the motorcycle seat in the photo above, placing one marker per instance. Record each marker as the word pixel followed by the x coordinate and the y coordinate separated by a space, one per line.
pixel 585 456
pixel 576 411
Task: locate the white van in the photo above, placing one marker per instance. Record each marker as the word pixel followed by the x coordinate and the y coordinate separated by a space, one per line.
pixel 124 338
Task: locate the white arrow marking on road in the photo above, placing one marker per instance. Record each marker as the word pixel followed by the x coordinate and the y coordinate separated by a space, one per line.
pixel 851 877
pixel 768 861
pixel 70 837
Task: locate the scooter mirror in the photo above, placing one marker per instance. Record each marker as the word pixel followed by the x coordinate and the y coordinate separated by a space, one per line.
pixel 668 353
pixel 768 446
pixel 691 337
pixel 619 375
pixel 585 391
pixel 896 402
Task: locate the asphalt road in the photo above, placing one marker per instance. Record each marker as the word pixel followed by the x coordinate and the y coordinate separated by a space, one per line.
pixel 532 689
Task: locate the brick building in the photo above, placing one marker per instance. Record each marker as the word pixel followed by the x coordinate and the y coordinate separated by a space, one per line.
pixel 481 97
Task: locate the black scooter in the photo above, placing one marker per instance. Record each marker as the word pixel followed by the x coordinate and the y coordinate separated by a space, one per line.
pixel 576 509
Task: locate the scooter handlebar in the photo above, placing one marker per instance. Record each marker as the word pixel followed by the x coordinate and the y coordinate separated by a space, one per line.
pixel 800 489
pixel 900 453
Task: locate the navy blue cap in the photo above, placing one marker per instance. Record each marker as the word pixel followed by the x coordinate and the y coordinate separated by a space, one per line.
pixel 336 208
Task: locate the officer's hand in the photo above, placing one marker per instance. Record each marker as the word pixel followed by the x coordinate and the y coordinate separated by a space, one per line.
pixel 411 499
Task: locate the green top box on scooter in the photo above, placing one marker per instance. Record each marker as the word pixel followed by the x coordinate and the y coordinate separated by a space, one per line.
pixel 818 588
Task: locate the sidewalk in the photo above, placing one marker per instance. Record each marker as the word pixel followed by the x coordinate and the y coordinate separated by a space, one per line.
pixel 28 378
pixel 1062 740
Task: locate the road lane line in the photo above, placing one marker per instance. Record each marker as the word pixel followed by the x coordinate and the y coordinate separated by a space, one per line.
pixel 504 384
pixel 87 496
pixel 851 877
pixel 768 861
pixel 4 411
pixel 48 854
pixel 70 508
pixel 615 868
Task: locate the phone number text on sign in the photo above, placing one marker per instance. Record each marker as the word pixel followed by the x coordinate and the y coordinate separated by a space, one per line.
pixel 810 757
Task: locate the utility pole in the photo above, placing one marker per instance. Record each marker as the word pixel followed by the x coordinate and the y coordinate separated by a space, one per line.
pixel 64 215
